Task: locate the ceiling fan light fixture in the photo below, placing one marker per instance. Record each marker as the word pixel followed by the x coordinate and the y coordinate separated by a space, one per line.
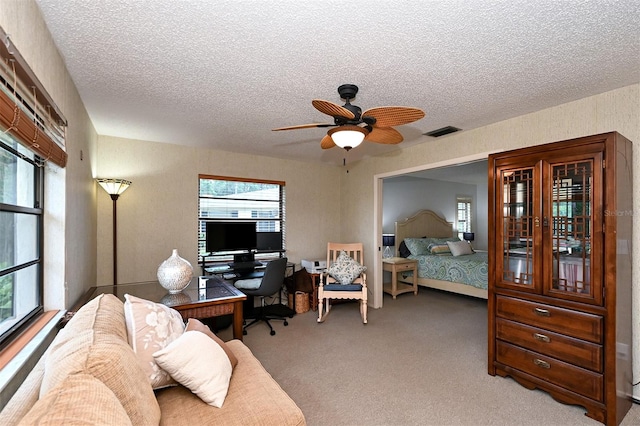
pixel 348 136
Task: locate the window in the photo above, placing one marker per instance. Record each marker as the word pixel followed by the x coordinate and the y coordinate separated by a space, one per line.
pixel 32 135
pixel 237 200
pixel 21 188
pixel 463 215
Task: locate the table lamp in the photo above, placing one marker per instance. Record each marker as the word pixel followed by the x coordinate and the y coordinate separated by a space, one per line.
pixel 388 240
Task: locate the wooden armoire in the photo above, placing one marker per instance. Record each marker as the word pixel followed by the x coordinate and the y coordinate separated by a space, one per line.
pixel 560 271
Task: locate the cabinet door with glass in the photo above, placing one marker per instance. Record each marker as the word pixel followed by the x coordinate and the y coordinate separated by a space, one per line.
pixel 549 225
pixel 572 228
pixel 517 230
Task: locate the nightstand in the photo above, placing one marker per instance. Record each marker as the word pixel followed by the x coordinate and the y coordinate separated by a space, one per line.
pixel 396 265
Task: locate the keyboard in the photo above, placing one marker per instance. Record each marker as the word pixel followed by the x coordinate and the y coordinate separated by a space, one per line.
pixel 244 265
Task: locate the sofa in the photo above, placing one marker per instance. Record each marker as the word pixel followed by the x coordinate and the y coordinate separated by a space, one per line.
pixel 91 374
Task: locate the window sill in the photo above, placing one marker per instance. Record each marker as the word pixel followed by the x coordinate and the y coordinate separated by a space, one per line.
pixel 17 359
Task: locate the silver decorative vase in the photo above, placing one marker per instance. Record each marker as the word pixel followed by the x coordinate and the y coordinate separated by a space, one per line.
pixel 175 273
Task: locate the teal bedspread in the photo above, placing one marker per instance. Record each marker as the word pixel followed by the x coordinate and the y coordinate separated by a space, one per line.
pixel 471 269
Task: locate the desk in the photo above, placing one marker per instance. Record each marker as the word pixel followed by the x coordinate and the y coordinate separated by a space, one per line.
pixel 396 265
pixel 231 273
pixel 209 297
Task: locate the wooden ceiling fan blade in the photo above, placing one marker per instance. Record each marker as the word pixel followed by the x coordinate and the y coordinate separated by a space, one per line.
pixel 394 115
pixel 334 110
pixel 327 142
pixel 384 135
pixel 303 126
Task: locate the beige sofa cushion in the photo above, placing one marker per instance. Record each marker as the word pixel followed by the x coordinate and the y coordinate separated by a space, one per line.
pixel 93 342
pixel 253 398
pixel 80 399
pixel 25 397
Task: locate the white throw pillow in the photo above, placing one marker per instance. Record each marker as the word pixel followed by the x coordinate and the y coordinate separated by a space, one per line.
pixel 198 363
pixel 197 325
pixel 459 248
pixel 150 327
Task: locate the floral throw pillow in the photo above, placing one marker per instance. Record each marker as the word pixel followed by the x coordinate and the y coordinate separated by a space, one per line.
pixel 151 327
pixel 345 269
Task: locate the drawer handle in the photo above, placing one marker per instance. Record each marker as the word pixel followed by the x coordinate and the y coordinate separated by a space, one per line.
pixel 541 337
pixel 541 363
pixel 542 312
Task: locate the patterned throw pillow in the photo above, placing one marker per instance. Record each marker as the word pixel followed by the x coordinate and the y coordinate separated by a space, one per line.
pixel 345 269
pixel 150 327
pixel 418 246
pixel 440 249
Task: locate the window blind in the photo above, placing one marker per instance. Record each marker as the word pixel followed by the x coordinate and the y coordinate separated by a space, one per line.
pixel 26 109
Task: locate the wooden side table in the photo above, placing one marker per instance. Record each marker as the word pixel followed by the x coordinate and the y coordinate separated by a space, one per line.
pixel 396 265
pixel 315 281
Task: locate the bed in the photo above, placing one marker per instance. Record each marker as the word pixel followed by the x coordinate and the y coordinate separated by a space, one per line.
pixel 467 274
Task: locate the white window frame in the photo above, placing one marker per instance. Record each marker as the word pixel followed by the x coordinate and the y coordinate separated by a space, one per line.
pixel 242 206
pixel 464 214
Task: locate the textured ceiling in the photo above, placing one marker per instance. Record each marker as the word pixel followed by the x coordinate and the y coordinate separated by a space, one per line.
pixel 222 74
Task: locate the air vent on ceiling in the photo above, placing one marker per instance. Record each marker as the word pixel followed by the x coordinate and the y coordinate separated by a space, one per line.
pixel 442 131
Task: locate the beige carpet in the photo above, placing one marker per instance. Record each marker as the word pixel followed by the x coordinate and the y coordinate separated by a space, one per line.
pixel 421 360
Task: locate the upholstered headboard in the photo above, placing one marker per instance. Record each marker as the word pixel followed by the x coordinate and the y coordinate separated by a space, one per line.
pixel 424 223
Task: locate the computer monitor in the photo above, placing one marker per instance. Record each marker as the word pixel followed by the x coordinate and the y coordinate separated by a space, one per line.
pixel 230 236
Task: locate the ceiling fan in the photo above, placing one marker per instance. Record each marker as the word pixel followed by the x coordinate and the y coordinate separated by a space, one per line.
pixel 352 126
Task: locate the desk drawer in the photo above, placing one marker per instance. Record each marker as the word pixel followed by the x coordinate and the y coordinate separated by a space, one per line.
pixel 574 351
pixel 576 379
pixel 572 323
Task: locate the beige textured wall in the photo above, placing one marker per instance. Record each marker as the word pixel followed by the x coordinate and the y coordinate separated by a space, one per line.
pixel 159 211
pixel 70 218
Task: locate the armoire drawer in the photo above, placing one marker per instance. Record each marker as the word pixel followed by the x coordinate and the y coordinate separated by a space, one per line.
pixel 576 379
pixel 576 324
pixel 574 351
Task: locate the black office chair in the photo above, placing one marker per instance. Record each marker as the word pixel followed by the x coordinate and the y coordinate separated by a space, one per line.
pixel 269 285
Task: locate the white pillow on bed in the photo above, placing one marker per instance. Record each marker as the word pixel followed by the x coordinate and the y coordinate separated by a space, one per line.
pixel 460 248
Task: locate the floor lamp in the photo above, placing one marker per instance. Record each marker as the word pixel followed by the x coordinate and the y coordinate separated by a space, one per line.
pixel 114 188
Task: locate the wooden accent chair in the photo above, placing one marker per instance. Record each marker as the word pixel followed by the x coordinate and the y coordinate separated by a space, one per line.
pixel 347 279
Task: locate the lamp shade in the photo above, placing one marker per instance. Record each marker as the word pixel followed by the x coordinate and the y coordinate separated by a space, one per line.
pixel 348 136
pixel 388 240
pixel 114 186
pixel 468 236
